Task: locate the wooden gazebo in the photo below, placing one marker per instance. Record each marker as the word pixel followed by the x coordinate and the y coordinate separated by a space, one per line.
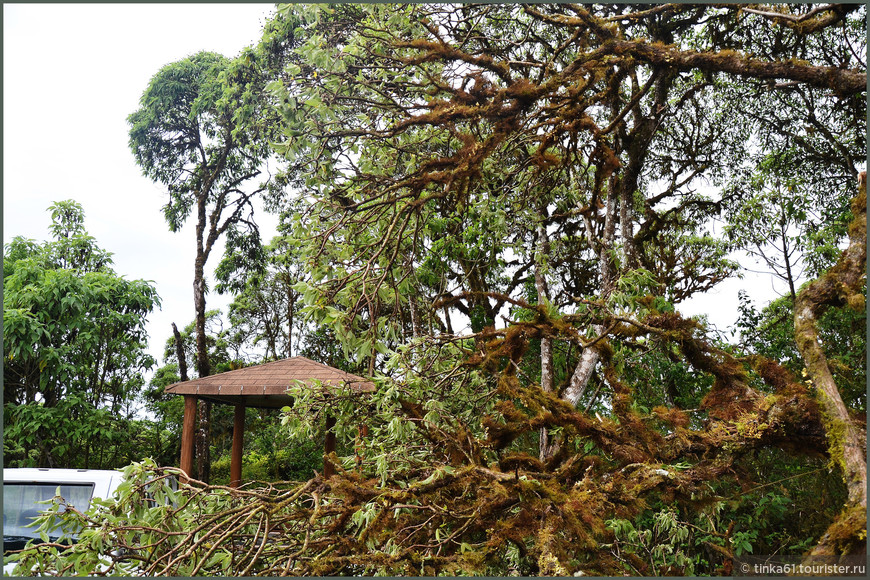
pixel 263 386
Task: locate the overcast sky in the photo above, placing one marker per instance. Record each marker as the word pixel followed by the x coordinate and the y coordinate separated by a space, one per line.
pixel 72 73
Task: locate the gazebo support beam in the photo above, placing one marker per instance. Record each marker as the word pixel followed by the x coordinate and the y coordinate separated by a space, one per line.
pixel 329 447
pixel 187 429
pixel 238 440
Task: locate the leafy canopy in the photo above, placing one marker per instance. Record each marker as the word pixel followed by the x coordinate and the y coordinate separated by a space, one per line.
pixel 74 340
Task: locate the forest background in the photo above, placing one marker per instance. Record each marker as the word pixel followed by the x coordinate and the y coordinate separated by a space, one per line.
pixel 496 212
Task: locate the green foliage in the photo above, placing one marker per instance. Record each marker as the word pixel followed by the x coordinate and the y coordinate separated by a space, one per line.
pixel 181 135
pixel 533 174
pixel 263 314
pixel 700 541
pixel 844 330
pixel 664 545
pixel 74 341
pixel 297 460
pixel 770 333
pixel 76 435
pixel 72 247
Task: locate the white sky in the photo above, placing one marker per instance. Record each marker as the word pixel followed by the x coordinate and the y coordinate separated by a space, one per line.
pixel 72 73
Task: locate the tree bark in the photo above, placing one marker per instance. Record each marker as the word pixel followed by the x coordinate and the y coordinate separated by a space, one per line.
pixel 582 373
pixel 841 285
pixel 291 306
pixel 546 448
pixel 179 353
pixel 843 82
pixel 416 329
pixel 203 451
pixel 590 356
pixel 203 367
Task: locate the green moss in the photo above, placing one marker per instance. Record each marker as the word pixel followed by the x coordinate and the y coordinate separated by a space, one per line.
pixel 549 565
pixel 847 535
pixel 835 431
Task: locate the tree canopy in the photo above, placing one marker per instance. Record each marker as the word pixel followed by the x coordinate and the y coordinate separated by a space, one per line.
pixel 203 133
pixel 74 345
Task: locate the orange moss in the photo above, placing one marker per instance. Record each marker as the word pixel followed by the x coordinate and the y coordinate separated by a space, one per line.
pixel 672 415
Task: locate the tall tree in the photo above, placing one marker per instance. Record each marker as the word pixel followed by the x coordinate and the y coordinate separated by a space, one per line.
pixel 201 132
pixel 263 313
pixel 424 123
pixel 74 341
pixel 499 128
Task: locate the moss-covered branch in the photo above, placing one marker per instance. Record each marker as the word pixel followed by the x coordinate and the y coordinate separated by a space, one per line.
pixel 842 285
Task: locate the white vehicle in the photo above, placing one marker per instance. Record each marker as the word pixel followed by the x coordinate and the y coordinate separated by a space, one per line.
pixel 23 489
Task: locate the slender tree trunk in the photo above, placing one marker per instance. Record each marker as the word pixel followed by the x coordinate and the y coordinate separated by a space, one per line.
pixel 582 373
pixel 415 317
pixel 374 309
pixel 203 367
pixel 606 246
pixel 203 453
pixel 546 448
pixel 291 306
pixel 789 277
pixel 627 225
pixel 179 353
pixel 447 324
pixel 590 356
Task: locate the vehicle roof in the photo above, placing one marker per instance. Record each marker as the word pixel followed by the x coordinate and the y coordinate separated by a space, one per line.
pixel 105 481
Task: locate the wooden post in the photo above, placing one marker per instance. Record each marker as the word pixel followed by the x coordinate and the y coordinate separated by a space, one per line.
pixel 362 435
pixel 187 428
pixel 238 439
pixel 329 447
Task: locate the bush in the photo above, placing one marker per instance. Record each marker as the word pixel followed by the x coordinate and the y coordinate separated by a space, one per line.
pixel 294 462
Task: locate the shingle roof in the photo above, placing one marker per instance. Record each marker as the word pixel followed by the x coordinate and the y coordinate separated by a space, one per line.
pixel 266 385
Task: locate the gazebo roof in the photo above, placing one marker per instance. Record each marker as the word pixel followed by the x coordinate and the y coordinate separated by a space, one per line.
pixel 266 385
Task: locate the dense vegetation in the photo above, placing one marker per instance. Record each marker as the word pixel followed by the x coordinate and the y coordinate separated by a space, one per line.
pixel 74 351
pixel 495 211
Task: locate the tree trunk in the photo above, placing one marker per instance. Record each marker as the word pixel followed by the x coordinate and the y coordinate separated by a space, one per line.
pixel 582 373
pixel 203 367
pixel 179 353
pixel 546 448
pixel 590 356
pixel 841 285
pixel 416 330
pixel 203 438
pixel 291 306
pixel 786 256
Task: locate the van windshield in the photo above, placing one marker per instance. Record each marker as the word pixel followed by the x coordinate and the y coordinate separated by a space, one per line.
pixel 21 505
